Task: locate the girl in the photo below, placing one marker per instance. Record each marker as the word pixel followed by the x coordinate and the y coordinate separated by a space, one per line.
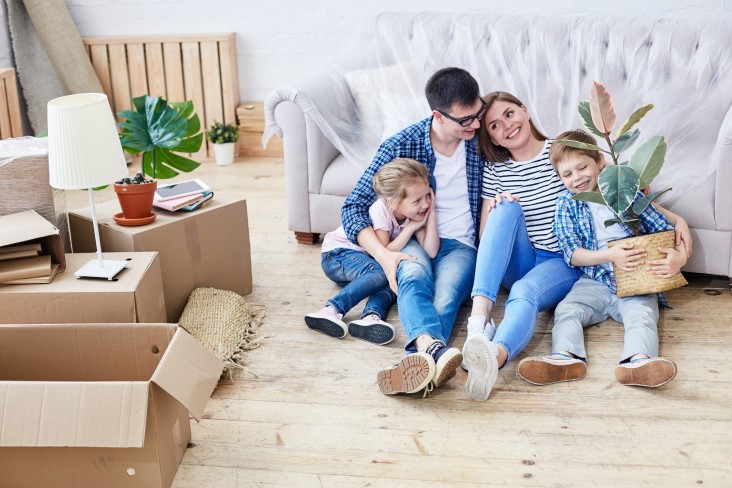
pixel 404 209
pixel 518 248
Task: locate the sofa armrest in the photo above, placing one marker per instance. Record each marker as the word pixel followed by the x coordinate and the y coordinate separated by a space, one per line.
pixel 723 162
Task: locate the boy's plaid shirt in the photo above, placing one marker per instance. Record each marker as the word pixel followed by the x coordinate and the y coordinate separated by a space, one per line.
pixel 575 229
pixel 412 142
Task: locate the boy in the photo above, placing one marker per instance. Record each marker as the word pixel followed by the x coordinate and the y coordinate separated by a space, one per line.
pixel 583 237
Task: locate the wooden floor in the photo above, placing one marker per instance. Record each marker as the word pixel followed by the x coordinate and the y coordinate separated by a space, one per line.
pixel 309 413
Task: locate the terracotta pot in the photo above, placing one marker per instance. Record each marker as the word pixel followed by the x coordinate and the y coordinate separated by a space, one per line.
pixel 136 200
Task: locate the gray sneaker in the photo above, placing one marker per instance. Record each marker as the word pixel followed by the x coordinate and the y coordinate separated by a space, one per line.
pixel 648 372
pixel 545 370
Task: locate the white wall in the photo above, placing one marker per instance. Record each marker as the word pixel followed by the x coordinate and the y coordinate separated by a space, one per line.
pixel 278 39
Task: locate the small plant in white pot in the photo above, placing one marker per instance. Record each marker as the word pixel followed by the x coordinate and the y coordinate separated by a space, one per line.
pixel 223 138
pixel 620 183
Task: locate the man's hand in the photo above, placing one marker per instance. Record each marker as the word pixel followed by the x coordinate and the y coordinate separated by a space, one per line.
pixel 625 257
pixel 389 261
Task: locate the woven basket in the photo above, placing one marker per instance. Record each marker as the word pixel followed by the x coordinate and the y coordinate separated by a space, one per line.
pixel 224 323
pixel 640 281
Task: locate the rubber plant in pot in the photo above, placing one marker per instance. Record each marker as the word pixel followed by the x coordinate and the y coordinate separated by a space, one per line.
pixel 621 182
pixel 223 138
pixel 157 129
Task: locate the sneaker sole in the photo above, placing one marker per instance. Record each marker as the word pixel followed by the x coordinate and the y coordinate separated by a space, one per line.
pixel 376 334
pixel 482 369
pixel 652 374
pixel 325 326
pixel 446 371
pixel 539 372
pixel 412 374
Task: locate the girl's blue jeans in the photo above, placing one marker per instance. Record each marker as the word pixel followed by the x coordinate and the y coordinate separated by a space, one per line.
pixel 536 279
pixel 432 290
pixel 361 277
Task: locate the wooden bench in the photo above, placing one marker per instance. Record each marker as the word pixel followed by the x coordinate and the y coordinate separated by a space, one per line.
pixel 10 123
pixel 201 67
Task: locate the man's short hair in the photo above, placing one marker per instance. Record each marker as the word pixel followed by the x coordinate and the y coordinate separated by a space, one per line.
pixel 450 86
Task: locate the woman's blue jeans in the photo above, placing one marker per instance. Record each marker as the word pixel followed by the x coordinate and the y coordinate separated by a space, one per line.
pixel 432 290
pixel 537 280
pixel 361 277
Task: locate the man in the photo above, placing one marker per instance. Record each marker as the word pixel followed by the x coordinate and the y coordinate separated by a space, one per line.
pixel 430 291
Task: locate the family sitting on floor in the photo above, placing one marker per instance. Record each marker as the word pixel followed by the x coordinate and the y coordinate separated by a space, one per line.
pixel 440 215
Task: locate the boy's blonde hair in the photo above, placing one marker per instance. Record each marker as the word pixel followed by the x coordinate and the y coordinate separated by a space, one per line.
pixel 559 152
pixel 395 176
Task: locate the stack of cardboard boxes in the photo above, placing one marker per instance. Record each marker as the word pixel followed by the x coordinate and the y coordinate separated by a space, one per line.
pixel 95 386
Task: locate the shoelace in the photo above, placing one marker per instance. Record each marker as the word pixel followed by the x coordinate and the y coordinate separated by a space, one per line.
pixel 428 389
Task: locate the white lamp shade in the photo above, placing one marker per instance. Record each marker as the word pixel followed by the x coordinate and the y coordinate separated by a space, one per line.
pixel 84 150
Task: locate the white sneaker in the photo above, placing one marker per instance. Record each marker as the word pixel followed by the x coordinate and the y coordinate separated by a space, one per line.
pixel 489 331
pixel 481 356
pixel 372 329
pixel 327 321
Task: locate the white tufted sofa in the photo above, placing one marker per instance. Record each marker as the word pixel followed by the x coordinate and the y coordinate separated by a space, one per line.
pixel 684 68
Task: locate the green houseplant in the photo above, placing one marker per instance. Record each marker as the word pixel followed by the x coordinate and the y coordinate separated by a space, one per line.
pixel 223 138
pixel 620 182
pixel 156 129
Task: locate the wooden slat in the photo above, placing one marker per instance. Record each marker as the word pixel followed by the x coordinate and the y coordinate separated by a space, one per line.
pixel 173 71
pixel 100 61
pixel 156 70
pixel 193 83
pixel 138 70
pixel 10 122
pixel 110 40
pixel 211 83
pixel 229 78
pixel 119 74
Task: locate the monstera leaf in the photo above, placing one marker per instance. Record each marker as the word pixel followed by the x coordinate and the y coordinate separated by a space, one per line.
pixel 158 130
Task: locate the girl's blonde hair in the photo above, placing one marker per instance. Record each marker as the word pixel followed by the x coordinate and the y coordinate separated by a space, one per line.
pixel 395 176
pixel 494 153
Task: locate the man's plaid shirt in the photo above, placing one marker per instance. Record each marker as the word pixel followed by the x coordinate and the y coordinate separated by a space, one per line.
pixel 412 142
pixel 575 229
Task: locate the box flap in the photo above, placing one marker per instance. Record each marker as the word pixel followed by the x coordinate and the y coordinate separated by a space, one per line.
pixel 188 372
pixel 24 226
pixel 76 414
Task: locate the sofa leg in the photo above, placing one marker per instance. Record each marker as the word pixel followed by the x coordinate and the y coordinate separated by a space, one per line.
pixel 307 237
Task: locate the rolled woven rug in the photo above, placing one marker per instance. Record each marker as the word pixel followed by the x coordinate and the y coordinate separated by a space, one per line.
pixel 224 323
pixel 640 281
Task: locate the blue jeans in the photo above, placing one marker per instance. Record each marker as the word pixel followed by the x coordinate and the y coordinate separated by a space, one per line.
pixel 431 290
pixel 360 276
pixel 536 279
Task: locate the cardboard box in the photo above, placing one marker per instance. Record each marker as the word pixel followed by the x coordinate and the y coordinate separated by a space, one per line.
pixel 90 405
pixel 135 296
pixel 28 227
pixel 208 247
pixel 251 127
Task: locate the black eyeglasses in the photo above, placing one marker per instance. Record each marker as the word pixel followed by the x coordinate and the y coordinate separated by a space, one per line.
pixel 468 121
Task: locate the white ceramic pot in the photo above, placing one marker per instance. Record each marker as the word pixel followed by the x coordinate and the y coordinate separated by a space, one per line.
pixel 224 153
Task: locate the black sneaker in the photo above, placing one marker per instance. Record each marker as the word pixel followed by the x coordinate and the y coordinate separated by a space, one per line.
pixel 447 359
pixel 327 324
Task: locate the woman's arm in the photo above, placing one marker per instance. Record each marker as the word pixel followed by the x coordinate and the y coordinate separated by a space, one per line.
pixel 681 228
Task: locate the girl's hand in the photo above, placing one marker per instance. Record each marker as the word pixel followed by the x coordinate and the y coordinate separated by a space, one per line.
pixel 671 264
pixel 499 198
pixel 415 225
pixel 625 257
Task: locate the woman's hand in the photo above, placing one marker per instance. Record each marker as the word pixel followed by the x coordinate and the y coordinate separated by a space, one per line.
pixel 683 236
pixel 499 198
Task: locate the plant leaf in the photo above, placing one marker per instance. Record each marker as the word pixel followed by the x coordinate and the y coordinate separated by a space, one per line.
pixel 584 111
pixel 190 144
pixel 163 167
pixel 580 145
pixel 590 196
pixel 602 108
pixel 641 204
pixel 610 222
pixel 618 185
pixel 648 159
pixel 178 162
pixel 626 141
pixel 634 118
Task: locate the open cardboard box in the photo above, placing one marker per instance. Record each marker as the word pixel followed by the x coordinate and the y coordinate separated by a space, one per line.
pixel 99 405
pixel 29 227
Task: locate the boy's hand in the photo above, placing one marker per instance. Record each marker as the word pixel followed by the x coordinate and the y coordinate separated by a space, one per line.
pixel 671 264
pixel 625 257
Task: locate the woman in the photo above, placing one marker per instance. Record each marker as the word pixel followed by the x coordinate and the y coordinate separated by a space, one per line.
pixel 518 248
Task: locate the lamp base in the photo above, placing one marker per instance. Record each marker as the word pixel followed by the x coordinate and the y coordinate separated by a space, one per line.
pixel 107 270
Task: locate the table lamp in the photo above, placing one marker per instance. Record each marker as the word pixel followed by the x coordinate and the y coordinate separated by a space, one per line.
pixel 84 152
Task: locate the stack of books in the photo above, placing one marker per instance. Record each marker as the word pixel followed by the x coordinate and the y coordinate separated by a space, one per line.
pixel 186 203
pixel 25 264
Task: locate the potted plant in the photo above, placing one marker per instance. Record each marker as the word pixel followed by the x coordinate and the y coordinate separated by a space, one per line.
pixel 157 129
pixel 223 137
pixel 620 182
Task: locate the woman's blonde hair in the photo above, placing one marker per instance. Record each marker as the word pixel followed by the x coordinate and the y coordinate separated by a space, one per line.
pixel 395 176
pixel 494 153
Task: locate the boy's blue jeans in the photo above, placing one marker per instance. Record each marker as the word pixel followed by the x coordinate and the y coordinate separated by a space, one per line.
pixel 537 280
pixel 432 290
pixel 360 276
pixel 590 302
